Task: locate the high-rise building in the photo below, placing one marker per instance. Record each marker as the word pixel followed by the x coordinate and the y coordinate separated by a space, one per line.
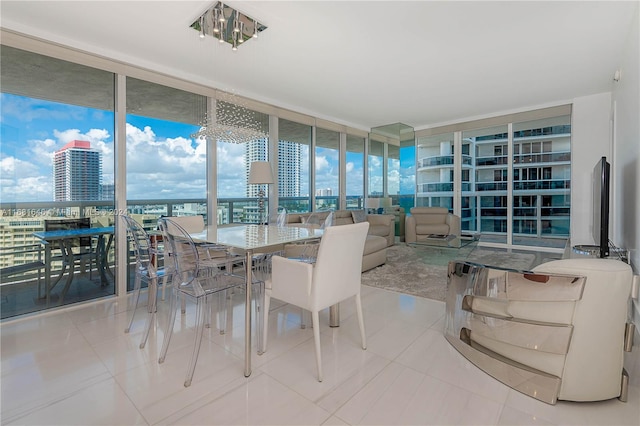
pixel 289 169
pixel 289 165
pixel 539 169
pixel 77 172
pixel 107 191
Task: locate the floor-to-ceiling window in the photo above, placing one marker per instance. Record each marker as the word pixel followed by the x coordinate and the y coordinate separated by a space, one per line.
pixel 238 201
pixel 434 171
pixel 293 166
pixel 406 199
pixel 542 181
pixel 375 161
pixel 393 171
pixel 490 146
pixel 56 160
pixel 166 162
pixel 508 181
pixel 355 171
pixel 327 170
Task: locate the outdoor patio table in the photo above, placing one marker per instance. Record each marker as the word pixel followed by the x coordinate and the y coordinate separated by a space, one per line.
pixel 65 238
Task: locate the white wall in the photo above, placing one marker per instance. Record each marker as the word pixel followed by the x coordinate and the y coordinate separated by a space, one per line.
pixel 590 140
pixel 626 165
pixel 626 149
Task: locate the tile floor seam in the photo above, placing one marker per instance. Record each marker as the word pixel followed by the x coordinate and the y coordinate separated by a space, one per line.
pixel 25 411
pixel 364 385
pixel 140 413
pixel 197 404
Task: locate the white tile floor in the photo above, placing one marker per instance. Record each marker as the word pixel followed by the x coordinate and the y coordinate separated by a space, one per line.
pixel 77 367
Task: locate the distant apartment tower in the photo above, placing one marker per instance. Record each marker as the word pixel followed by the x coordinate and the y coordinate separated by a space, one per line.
pixel 289 169
pixel 107 192
pixel 77 172
pixel 540 179
pixel 289 165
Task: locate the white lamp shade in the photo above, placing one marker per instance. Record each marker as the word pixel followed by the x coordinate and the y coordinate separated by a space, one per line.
pixel 372 203
pixel 385 202
pixel 260 173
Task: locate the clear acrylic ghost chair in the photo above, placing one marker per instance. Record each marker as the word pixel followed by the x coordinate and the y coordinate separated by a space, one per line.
pixel 211 256
pixel 210 253
pixel 335 276
pixel 279 219
pixel 145 270
pixel 195 279
pixel 307 250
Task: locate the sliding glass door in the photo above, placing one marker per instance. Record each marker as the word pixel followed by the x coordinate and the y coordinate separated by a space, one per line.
pixel 490 195
pixel 327 170
pixel 355 172
pixel 434 171
pixel 542 182
pixel 57 162
pixel 293 166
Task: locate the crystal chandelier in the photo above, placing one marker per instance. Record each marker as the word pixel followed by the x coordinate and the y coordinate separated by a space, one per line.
pixel 227 25
pixel 233 123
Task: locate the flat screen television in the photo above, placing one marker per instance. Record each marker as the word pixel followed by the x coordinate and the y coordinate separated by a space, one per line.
pixel 601 189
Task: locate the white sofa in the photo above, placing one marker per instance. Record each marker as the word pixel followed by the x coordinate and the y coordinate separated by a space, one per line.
pixel 380 236
pixel 557 332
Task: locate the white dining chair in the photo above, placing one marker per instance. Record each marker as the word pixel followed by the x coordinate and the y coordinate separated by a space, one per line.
pixel 334 277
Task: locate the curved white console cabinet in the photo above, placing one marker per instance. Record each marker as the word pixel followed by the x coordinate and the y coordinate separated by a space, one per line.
pixel 555 333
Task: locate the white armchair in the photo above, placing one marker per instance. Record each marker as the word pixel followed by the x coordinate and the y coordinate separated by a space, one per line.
pixel 557 332
pixel 425 221
pixel 334 277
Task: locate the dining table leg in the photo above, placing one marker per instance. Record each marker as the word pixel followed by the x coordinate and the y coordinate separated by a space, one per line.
pixel 334 315
pixel 248 265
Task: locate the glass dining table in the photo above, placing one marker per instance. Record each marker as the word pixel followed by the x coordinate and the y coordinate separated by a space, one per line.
pixel 252 239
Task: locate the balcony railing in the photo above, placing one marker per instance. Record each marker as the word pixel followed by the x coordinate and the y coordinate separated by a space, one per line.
pixel 547 157
pixel 526 185
pixel 443 160
pixel 22 280
pixel 441 187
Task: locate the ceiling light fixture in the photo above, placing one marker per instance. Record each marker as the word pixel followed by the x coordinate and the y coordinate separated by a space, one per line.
pixel 234 123
pixel 227 25
pixel 221 17
pixel 202 35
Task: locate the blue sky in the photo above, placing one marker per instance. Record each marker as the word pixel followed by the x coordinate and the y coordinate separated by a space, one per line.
pixel 163 161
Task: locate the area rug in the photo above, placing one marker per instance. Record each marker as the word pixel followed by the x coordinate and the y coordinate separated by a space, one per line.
pixel 422 271
pixel 406 272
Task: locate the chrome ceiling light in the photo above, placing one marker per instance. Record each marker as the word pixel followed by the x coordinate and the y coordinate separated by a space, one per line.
pixel 227 25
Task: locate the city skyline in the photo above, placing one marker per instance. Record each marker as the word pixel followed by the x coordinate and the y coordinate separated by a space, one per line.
pixel 162 160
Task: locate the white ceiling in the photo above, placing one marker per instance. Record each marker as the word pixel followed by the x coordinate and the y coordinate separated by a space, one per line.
pixel 361 63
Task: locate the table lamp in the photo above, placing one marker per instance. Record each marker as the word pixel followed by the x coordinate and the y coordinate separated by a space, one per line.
pixel 372 205
pixel 260 174
pixel 385 203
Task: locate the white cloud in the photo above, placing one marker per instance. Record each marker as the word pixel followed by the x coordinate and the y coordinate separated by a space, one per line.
pixel 22 180
pixel 350 166
pixel 157 166
pixel 322 163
